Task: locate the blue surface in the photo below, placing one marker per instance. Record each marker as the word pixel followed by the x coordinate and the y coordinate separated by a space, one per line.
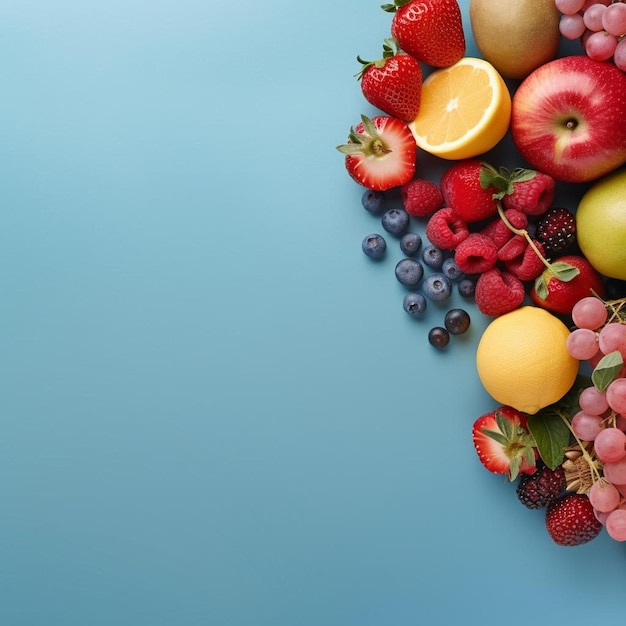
pixel 214 409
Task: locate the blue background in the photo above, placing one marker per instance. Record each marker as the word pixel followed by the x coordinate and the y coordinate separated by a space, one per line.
pixel 214 410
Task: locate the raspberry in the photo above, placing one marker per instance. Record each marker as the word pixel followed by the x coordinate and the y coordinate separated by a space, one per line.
pixel 445 229
pixel 537 490
pixel 498 292
pixel 528 265
pixel 500 232
pixel 513 248
pixel 556 230
pixel 533 196
pixel 421 198
pixel 476 254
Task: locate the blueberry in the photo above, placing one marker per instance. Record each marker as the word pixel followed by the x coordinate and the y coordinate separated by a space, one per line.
pixel 437 287
pixel 374 246
pixel 410 244
pixel 372 200
pixel 409 272
pixel 457 321
pixel 438 337
pixel 467 287
pixel 396 221
pixel 451 269
pixel 414 303
pixel 432 256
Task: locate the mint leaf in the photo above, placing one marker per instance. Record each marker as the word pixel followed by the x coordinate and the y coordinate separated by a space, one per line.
pixel 541 287
pixel 606 370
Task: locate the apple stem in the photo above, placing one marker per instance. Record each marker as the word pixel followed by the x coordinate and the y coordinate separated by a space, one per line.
pixel 524 233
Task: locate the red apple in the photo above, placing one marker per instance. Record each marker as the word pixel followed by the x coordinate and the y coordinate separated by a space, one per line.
pixel 568 118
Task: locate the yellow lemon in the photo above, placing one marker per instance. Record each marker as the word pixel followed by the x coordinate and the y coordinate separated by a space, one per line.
pixel 465 110
pixel 522 359
pixel 601 225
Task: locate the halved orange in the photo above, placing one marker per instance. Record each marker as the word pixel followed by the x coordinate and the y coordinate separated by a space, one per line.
pixel 465 110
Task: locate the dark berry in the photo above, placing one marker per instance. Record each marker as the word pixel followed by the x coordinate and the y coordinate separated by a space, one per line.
pixel 372 200
pixel 374 246
pixel 410 244
pixel 433 256
pixel 457 321
pixel 537 490
pixel 409 272
pixel 414 304
pixel 437 287
pixel 556 231
pixel 395 221
pixel 438 337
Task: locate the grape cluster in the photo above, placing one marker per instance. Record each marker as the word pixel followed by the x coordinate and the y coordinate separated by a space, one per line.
pixel 599 337
pixel 599 24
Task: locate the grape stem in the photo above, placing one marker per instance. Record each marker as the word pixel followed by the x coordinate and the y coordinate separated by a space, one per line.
pixel 583 449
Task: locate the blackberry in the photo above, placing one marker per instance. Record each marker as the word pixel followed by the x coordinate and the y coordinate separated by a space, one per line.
pixel 536 491
pixel 556 230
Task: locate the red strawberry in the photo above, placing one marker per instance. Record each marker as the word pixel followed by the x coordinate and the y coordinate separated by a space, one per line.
pixel 570 520
pixel 429 30
pixel 394 83
pixel 568 279
pixel 421 198
pixel 462 190
pixel 504 444
pixel 380 153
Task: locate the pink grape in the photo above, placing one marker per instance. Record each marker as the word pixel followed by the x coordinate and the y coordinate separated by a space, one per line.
pixel 619 56
pixel 593 16
pixel 613 337
pixel 593 401
pixel 614 19
pixel 621 489
pixel 582 343
pixel 616 395
pixel 569 7
pixel 610 445
pixel 589 312
pixel 616 525
pixel 572 26
pixel 620 422
pixel 604 496
pixel 585 426
pixel 600 46
pixel 615 472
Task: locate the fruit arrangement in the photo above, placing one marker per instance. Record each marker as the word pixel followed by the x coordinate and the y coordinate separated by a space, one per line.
pixel 549 278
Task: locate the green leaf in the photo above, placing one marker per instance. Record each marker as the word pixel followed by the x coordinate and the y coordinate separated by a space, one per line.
pixel 606 370
pixel 563 271
pixel 541 287
pixel 551 435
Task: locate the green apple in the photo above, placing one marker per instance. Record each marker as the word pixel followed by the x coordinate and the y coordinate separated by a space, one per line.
pixel 601 224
